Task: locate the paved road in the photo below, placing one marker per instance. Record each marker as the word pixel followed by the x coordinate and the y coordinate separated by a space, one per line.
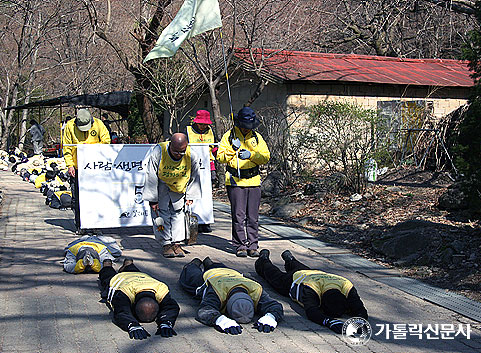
pixel 44 309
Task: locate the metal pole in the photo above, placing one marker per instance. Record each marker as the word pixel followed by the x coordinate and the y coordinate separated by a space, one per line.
pixel 226 75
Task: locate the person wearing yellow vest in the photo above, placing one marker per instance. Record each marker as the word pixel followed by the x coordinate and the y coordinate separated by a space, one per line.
pixel 201 132
pixel 228 298
pixel 83 129
pixel 137 297
pixel 172 181
pixel 244 150
pixel 324 296
pixel 87 253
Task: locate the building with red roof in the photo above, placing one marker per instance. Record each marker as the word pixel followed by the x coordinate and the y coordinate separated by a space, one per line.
pixel 295 80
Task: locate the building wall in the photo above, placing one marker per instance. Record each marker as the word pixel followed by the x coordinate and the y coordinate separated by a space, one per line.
pixel 298 96
pixel 444 100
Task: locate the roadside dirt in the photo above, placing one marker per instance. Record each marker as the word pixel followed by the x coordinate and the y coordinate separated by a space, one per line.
pixel 398 196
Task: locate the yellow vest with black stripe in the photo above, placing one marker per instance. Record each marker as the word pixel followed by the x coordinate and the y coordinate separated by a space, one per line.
pixel 58 194
pixel 132 283
pixel 175 174
pixel 321 282
pixel 80 267
pixel 74 249
pixel 224 280
pixel 208 137
pixel 39 180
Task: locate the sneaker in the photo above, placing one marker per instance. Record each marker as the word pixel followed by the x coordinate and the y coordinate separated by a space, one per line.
pixel 205 228
pixel 196 261
pixel 241 253
pixel 179 252
pixel 253 253
pixel 287 256
pixel 168 250
pixel 264 253
pixel 127 262
pixel 207 263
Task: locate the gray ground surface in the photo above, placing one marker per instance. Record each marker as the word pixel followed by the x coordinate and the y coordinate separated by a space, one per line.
pixel 44 309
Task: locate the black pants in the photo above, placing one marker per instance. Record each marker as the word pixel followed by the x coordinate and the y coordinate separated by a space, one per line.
pixel 282 281
pixel 244 205
pixel 192 276
pixel 75 199
pixel 279 280
pixel 107 273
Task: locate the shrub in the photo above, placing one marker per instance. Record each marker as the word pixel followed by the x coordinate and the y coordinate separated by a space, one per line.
pixel 342 137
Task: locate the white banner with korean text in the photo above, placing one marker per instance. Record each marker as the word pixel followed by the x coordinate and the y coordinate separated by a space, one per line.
pixel 111 181
pixel 204 208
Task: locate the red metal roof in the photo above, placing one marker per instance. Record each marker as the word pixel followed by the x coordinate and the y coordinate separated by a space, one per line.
pixel 310 66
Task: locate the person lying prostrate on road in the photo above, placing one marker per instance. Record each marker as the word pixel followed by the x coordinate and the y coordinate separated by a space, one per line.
pixel 324 296
pixel 229 299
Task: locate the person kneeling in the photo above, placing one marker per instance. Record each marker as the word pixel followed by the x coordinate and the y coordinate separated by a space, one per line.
pixel 137 297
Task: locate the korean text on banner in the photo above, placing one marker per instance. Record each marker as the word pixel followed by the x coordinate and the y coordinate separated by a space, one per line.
pixel 194 17
pixel 111 181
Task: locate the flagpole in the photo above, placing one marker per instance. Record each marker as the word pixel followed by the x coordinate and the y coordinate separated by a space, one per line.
pixel 226 75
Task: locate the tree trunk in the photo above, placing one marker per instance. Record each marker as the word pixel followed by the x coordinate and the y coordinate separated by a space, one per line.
pixel 219 124
pixel 23 127
pixel 7 118
pixel 23 124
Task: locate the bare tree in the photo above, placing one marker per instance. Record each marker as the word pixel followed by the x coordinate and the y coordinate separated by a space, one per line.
pixel 249 24
pixel 143 26
pixel 48 51
pixel 402 28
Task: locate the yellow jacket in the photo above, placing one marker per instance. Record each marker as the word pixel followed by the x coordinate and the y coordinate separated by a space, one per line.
pixel 207 137
pixel 224 280
pixel 321 282
pixel 98 133
pixel 259 155
pixel 132 283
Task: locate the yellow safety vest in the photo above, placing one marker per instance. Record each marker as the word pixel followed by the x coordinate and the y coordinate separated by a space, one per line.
pixel 132 283
pixel 98 133
pixel 41 179
pixel 176 174
pixel 320 282
pixel 259 155
pixel 60 193
pixel 74 249
pixel 224 280
pixel 80 267
pixel 208 137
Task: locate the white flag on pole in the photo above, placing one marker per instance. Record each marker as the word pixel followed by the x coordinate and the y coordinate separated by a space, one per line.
pixel 193 18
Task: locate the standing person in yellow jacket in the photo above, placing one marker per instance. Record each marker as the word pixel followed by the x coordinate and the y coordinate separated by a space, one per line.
pixel 171 181
pixel 201 132
pixel 83 129
pixel 244 150
pixel 324 296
